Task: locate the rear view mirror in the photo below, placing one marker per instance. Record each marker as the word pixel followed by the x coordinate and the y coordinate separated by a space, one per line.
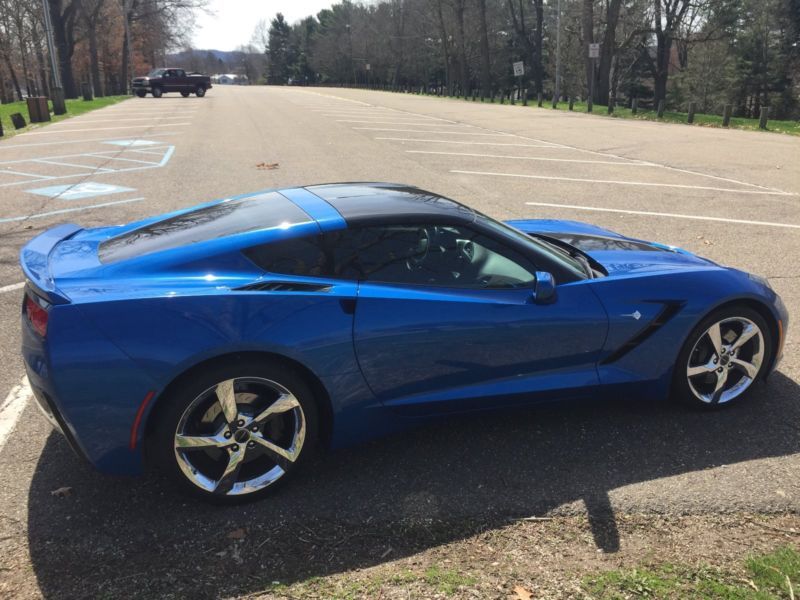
pixel 545 291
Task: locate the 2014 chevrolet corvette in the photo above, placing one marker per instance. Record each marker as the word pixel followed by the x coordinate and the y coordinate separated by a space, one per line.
pixel 223 342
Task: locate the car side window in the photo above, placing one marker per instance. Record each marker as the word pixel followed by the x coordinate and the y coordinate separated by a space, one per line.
pixel 452 256
pixel 305 256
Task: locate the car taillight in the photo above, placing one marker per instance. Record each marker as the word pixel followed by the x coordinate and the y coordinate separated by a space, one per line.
pixel 36 315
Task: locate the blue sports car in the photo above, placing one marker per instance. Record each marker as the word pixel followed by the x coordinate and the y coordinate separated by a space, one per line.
pixel 223 342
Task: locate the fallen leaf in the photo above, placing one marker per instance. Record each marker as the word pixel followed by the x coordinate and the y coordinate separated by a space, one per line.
pixel 520 593
pixel 62 492
pixel 264 165
pixel 237 534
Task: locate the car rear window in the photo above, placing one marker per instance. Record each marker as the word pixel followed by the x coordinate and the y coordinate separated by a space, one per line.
pixel 229 217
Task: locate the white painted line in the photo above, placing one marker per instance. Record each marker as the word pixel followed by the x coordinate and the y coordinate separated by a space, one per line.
pixel 12 172
pixel 396 139
pixel 670 215
pixel 569 160
pixel 615 182
pixel 12 287
pixel 11 409
pixel 66 164
pixel 49 130
pixel 144 162
pixel 7 146
pixel 60 156
pixel 159 119
pixel 428 131
pixel 68 210
pixel 400 123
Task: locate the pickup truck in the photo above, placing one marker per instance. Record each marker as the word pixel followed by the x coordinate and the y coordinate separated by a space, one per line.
pixel 161 81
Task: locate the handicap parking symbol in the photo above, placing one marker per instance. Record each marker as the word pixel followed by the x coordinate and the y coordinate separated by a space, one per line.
pixel 76 191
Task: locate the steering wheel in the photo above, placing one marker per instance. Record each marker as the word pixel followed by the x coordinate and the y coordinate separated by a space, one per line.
pixel 423 248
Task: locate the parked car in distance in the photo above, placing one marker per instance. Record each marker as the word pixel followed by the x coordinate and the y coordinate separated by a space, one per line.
pixel 222 342
pixel 161 81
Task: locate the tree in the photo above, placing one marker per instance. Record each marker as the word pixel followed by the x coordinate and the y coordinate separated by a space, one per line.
pixel 278 56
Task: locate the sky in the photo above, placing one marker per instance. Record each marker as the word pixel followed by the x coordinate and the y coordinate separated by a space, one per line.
pixel 233 21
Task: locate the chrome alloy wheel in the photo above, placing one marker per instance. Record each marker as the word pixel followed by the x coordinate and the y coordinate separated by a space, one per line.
pixel 240 436
pixel 725 360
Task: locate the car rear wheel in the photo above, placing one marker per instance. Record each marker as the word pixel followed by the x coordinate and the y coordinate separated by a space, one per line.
pixel 200 91
pixel 728 351
pixel 185 94
pixel 141 93
pixel 157 92
pixel 235 432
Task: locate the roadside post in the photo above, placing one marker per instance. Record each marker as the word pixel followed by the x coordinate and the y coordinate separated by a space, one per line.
pixel 86 90
pixel 692 109
pixel 571 103
pixel 539 99
pixel 18 120
pixel 762 119
pixel 519 71
pixel 38 109
pixel 594 54
pixel 660 113
pixel 635 106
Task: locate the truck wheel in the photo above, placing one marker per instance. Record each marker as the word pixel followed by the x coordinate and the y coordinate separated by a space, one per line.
pixel 200 91
pixel 185 94
pixel 141 93
pixel 157 92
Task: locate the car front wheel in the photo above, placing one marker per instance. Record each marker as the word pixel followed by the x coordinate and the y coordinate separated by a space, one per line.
pixel 723 356
pixel 157 92
pixel 200 91
pixel 141 93
pixel 235 432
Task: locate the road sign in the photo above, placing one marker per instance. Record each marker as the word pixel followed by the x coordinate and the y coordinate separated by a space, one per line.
pixel 594 50
pixel 519 69
pixel 368 67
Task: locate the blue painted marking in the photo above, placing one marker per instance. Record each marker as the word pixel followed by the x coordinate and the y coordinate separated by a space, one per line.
pixel 68 210
pixel 128 143
pixel 326 216
pixel 76 191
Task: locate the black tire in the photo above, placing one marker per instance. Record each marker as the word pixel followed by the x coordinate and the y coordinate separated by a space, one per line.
pixel 200 91
pixel 185 94
pixel 190 396
pixel 698 352
pixel 141 93
pixel 157 92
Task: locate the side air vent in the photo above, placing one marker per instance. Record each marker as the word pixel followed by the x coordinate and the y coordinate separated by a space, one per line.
pixel 284 286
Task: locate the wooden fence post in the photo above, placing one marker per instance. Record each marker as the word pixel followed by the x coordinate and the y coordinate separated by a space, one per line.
pixel 539 99
pixel 660 108
pixel 726 114
pixel 692 109
pixel 635 106
pixel 762 119
pixel 571 102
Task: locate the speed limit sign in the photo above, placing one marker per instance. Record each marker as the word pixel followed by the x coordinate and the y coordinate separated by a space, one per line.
pixel 594 50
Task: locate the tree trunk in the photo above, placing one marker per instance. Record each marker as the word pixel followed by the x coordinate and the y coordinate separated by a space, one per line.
pixel 588 38
pixel 445 45
pixel 64 48
pixel 663 50
pixel 463 67
pixel 97 80
pixel 538 71
pixel 607 52
pixel 13 74
pixel 486 74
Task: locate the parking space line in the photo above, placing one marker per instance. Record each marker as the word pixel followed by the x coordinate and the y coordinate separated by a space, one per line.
pixel 49 131
pixel 396 139
pixel 617 182
pixel 12 287
pixel 400 123
pixel 569 160
pixel 38 176
pixel 66 164
pixel 7 146
pixel 68 210
pixel 659 214
pixel 428 131
pixel 102 155
pixel 12 407
pixel 159 120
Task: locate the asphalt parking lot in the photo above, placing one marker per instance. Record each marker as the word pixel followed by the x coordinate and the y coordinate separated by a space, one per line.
pixel 733 196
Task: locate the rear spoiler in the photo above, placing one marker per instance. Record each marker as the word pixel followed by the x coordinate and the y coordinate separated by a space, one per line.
pixel 34 260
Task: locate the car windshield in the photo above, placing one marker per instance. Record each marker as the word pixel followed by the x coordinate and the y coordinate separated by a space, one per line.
pixel 156 73
pixel 539 246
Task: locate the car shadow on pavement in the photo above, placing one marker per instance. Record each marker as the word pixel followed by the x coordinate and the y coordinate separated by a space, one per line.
pixel 391 498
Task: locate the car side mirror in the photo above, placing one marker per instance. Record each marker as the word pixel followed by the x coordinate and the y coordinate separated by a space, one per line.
pixel 545 291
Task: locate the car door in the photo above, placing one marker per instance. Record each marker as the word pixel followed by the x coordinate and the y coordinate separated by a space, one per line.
pixel 446 319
